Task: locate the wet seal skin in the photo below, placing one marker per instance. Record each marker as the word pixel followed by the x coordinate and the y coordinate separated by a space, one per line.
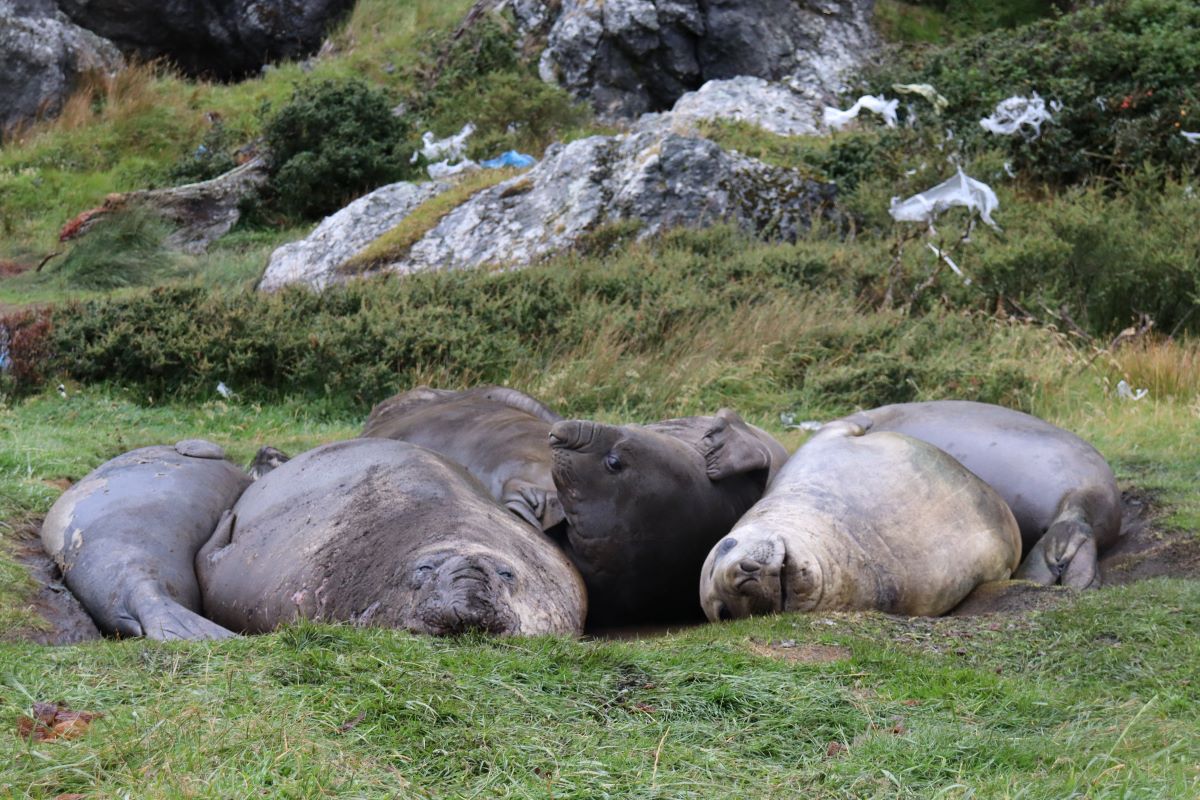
pixel 126 535
pixel 854 522
pixel 499 435
pixel 1060 489
pixel 386 533
pixel 644 503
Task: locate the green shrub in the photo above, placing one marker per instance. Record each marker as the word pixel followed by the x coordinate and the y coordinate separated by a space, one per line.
pixel 212 157
pixel 1126 72
pixel 125 249
pixel 331 142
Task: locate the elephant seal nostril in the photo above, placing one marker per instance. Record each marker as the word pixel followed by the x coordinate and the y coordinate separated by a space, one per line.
pixel 748 566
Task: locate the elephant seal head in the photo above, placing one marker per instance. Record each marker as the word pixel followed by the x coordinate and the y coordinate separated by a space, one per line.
pixel 454 592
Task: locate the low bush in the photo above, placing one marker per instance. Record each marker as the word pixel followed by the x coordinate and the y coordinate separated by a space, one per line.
pixel 1126 72
pixel 333 141
pixel 123 250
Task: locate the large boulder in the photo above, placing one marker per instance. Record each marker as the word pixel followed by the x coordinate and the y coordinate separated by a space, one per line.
pixel 777 107
pixel 628 57
pixel 223 39
pixel 659 180
pixel 314 260
pixel 44 56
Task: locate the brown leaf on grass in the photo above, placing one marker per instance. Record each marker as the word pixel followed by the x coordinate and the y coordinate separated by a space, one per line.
pixel 835 749
pixel 54 721
pixel 348 726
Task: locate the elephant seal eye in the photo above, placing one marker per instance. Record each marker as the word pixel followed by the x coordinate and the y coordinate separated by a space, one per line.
pixel 425 569
pixel 613 463
pixel 507 574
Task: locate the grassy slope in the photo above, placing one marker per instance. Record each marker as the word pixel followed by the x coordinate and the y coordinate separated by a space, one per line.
pixel 1097 698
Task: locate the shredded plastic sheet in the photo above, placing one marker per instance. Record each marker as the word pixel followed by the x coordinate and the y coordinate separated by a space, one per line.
pixel 224 390
pixel 885 108
pixel 509 158
pixel 944 256
pixel 960 190
pixel 444 169
pixel 925 90
pixel 1014 113
pixel 1126 392
pixel 809 425
pixel 1194 138
pixel 451 148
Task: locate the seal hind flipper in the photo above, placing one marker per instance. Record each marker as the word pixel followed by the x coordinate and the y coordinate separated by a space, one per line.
pixel 533 503
pixel 159 617
pixel 1067 553
pixel 520 401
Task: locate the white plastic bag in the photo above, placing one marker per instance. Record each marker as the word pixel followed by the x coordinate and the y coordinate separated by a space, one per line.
pixel 885 108
pixel 925 90
pixel 1014 113
pixel 451 148
pixel 961 190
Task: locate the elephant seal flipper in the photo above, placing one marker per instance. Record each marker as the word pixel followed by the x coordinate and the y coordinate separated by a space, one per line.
pixel 125 537
pixel 1061 490
pixel 730 448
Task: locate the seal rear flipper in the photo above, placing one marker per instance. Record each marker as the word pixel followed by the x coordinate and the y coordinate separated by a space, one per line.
pixel 164 619
pixel 1066 554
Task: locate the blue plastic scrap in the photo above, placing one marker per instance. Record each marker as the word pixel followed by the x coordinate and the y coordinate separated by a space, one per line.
pixel 509 158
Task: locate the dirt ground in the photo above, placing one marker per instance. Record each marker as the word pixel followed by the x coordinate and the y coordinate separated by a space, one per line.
pixel 1144 551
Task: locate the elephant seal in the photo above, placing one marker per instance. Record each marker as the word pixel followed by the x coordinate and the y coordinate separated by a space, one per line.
pixel 266 459
pixel 856 522
pixel 644 503
pixel 497 434
pixel 125 537
pixel 379 532
pixel 1060 489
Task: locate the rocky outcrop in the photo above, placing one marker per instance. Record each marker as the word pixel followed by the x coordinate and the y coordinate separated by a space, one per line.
pixel 201 213
pixel 222 39
pixel 314 260
pixel 775 107
pixel 43 57
pixel 628 57
pixel 660 181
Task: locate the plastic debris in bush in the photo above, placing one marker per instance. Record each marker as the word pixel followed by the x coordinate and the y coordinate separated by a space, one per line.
pixel 509 158
pixel 1126 392
pixel 444 169
pixel 944 256
pixel 885 108
pixel 224 390
pixel 1015 113
pixel 1193 137
pixel 961 190
pixel 808 425
pixel 451 148
pixel 925 90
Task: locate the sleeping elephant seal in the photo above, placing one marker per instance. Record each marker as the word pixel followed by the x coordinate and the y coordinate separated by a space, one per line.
pixel 497 434
pixel 126 535
pixel 856 522
pixel 1060 489
pixel 385 533
pixel 645 503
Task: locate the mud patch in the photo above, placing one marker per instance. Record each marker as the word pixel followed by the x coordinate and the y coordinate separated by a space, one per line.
pixel 66 621
pixel 794 652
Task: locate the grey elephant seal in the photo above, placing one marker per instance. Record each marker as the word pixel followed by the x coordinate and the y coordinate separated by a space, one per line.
pixel 644 503
pixel 1060 489
pixel 499 435
pixel 126 535
pixel 379 532
pixel 856 522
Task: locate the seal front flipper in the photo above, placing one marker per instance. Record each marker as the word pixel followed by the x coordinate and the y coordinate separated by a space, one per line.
pixel 532 503
pixel 731 448
pixel 151 613
pixel 213 549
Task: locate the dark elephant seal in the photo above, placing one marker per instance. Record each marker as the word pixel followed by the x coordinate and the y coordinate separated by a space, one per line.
pixel 856 522
pixel 1060 489
pixel 644 503
pixel 497 434
pixel 385 533
pixel 126 535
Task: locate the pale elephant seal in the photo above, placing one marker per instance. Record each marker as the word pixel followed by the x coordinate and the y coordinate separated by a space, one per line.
pixel 856 522
pixel 126 535
pixel 1060 489
pixel 645 503
pixel 380 532
pixel 497 434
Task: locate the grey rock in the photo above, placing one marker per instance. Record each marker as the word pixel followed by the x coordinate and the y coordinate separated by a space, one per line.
pixel 660 180
pixel 775 107
pixel 629 57
pixel 222 39
pixel 43 57
pixel 314 260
